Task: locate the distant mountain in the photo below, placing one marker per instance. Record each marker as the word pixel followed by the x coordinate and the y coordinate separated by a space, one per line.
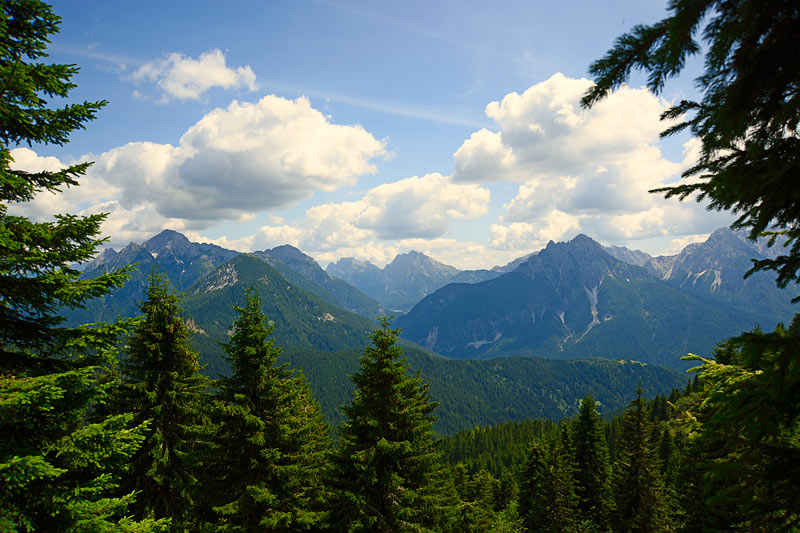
pixel 572 300
pixel 404 281
pixel 626 255
pixel 715 270
pixel 184 262
pixel 304 272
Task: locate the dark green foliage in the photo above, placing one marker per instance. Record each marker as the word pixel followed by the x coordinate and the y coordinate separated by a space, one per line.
pixel 162 384
pixel 746 438
pixel 592 469
pixel 388 474
pixel 749 114
pixel 268 446
pixel 547 500
pixel 638 486
pixel 480 393
pixel 57 470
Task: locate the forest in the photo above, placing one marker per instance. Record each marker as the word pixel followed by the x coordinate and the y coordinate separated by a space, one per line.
pixel 114 427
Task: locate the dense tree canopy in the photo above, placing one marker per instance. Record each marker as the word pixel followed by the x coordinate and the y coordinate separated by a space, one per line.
pixel 749 113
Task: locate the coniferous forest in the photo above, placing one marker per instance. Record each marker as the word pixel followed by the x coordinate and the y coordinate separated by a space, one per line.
pixel 115 427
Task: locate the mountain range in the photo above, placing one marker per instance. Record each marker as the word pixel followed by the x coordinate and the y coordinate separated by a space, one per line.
pixel 570 303
pixel 575 299
pixel 326 341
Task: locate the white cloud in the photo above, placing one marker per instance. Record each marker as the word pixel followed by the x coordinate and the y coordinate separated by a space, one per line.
pixel 185 78
pixel 247 158
pixel 420 207
pixel 414 212
pixel 592 167
pixel 233 163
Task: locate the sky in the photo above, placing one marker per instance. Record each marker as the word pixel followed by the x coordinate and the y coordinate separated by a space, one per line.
pixel 368 129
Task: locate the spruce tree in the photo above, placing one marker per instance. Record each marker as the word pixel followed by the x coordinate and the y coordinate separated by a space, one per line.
pixel 641 500
pixel 388 473
pixel 57 470
pixel 592 470
pixel 269 447
pixel 547 498
pixel 162 385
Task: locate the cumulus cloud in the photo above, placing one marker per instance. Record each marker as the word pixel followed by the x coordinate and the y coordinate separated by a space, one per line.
pixel 248 157
pixel 184 78
pixel 578 169
pixel 234 162
pixel 414 212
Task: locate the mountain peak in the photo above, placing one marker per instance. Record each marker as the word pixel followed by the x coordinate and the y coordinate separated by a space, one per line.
pixel 287 252
pixel 168 240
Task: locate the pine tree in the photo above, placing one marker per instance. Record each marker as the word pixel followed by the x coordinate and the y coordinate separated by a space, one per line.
pixel 269 446
pixel 388 472
pixel 162 385
pixel 57 470
pixel 592 470
pixel 638 487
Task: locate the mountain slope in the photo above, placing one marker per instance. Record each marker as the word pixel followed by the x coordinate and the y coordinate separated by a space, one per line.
pixel 715 270
pixel 489 392
pixel 182 261
pixel 304 272
pixel 300 318
pixel 571 300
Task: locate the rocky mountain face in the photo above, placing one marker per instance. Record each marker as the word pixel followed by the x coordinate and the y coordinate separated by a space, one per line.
pixel 185 262
pixel 404 281
pixel 182 261
pixel 715 270
pixel 573 300
pixel 626 255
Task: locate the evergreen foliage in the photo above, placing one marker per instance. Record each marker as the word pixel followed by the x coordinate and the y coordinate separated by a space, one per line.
pixel 749 114
pixel 57 471
pixel 268 445
pixel 162 384
pixel 547 501
pixel 746 430
pixel 592 469
pixel 638 487
pixel 388 473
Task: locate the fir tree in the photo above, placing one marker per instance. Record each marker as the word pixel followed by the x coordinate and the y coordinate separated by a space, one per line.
pixel 388 473
pixel 162 385
pixel 56 470
pixel 269 444
pixel 638 488
pixel 592 470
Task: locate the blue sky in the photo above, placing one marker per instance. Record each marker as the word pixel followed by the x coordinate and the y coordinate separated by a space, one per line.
pixel 368 128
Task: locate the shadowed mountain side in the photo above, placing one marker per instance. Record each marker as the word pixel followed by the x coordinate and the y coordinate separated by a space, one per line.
pixel 488 392
pixel 572 300
pixel 304 272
